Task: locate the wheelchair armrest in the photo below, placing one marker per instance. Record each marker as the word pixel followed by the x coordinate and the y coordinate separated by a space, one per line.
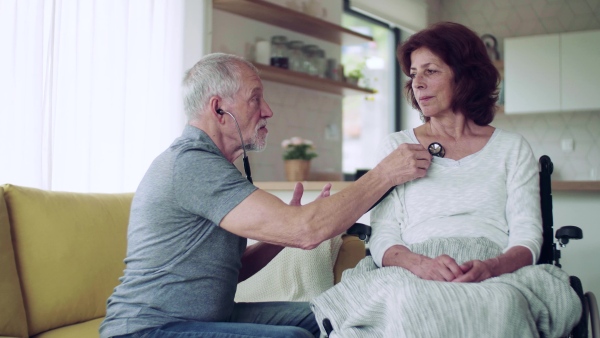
pixel 363 231
pixel 568 232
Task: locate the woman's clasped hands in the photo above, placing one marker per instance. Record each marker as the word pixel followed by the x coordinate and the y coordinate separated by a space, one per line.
pixel 444 268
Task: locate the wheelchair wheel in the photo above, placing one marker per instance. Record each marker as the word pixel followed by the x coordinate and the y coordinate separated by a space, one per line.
pixel 581 329
pixel 593 310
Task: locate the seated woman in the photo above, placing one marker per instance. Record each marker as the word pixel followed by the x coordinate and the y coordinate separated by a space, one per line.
pixel 485 184
pixel 475 215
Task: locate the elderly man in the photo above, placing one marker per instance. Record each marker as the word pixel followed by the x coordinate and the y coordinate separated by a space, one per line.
pixel 193 212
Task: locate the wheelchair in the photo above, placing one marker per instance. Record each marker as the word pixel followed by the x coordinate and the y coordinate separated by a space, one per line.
pixel 550 252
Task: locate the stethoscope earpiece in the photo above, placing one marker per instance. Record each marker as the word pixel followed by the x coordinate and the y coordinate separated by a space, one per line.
pixel 245 158
pixel 436 149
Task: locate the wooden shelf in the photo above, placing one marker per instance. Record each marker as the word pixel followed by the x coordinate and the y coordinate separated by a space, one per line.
pixel 283 17
pixel 291 77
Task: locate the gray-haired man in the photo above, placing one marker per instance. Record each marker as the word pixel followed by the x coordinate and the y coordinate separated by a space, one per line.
pixel 193 211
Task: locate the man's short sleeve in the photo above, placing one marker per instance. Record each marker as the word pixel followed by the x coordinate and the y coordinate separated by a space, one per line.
pixel 208 185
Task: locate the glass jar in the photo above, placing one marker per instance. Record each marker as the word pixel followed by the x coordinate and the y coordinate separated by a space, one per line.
pixel 310 52
pixel 296 57
pixel 279 56
pixel 320 62
pixel 331 71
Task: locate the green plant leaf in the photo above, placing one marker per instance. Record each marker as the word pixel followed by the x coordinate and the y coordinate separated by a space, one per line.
pixel 299 152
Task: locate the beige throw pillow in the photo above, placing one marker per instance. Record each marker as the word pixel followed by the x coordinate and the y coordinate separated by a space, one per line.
pixel 293 275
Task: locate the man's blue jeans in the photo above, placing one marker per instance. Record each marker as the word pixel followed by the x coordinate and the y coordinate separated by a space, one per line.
pixel 268 320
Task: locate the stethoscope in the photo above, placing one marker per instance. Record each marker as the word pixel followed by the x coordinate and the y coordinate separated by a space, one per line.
pixel 245 159
pixel 436 149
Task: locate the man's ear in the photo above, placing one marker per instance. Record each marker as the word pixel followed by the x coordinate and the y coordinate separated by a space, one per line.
pixel 215 107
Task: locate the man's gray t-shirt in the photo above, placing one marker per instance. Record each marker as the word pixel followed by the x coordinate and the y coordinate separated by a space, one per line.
pixel 181 265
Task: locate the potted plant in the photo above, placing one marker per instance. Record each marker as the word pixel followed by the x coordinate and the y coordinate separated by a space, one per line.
pixel 354 76
pixel 297 153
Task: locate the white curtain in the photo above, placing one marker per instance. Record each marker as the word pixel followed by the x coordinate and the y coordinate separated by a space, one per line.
pixel 89 91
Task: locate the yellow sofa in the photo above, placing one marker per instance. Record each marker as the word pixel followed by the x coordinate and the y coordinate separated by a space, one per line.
pixel 61 255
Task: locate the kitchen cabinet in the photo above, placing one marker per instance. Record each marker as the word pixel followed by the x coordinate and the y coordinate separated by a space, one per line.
pixel 580 70
pixel 532 74
pixel 552 73
pixel 283 17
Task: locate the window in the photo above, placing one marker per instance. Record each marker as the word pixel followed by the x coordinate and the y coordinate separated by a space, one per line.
pixel 368 119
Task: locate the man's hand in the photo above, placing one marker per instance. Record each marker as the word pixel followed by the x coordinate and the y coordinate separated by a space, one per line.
pixel 299 191
pixel 325 192
pixel 407 162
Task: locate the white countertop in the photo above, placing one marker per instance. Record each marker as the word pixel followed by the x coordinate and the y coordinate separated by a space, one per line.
pixel 339 185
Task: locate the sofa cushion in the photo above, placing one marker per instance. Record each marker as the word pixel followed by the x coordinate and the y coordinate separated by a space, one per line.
pixel 81 330
pixel 351 252
pixel 69 250
pixel 12 311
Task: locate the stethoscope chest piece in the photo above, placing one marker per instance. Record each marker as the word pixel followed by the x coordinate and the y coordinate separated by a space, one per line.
pixel 436 149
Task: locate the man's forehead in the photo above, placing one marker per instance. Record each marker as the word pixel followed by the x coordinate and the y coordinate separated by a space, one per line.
pixel 251 82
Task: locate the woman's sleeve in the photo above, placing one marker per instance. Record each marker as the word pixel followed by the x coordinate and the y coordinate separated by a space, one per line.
pixel 387 215
pixel 523 211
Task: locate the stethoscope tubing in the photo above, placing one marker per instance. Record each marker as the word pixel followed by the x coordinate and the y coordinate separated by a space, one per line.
pixel 245 159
